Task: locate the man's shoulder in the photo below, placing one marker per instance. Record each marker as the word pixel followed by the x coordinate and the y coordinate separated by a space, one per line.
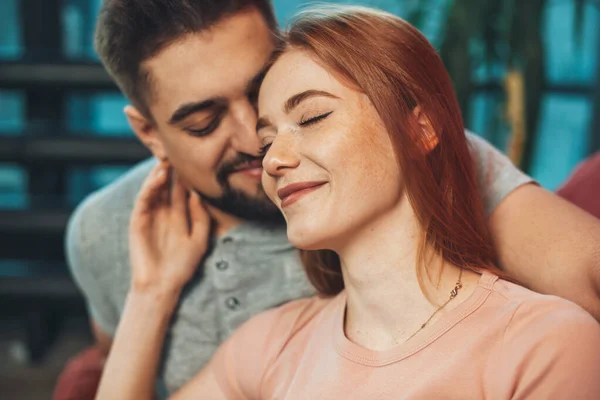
pixel 116 198
pixel 96 245
pixel 106 212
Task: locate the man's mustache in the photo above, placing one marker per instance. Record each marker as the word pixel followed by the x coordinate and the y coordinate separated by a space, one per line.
pixel 231 166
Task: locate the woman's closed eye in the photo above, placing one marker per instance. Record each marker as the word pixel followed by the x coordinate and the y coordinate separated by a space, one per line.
pixel 313 120
pixel 304 122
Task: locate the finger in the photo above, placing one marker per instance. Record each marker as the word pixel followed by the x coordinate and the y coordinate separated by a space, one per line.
pixel 152 189
pixel 179 207
pixel 165 195
pixel 200 219
pixel 178 195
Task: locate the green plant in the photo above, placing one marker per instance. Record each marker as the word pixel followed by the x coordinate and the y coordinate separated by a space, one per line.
pixel 498 33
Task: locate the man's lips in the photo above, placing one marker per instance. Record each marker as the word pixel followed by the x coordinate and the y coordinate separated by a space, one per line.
pixel 253 169
pixel 291 193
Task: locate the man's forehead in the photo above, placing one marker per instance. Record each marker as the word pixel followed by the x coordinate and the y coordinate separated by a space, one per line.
pixel 194 69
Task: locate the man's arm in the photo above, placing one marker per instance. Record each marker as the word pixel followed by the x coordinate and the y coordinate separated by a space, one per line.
pixel 79 246
pixel 543 241
pixel 549 245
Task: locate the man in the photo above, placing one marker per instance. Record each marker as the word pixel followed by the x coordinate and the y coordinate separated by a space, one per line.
pixel 190 70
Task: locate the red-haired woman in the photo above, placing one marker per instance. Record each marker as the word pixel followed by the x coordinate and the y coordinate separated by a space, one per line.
pixel 365 155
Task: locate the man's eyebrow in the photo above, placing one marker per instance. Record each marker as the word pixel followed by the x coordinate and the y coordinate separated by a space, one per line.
pixel 296 99
pixel 262 122
pixel 187 109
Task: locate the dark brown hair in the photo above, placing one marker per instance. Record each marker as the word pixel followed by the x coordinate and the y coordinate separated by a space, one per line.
pixel 128 32
pixel 391 62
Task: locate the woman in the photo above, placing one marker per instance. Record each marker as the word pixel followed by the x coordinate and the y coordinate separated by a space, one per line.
pixel 365 155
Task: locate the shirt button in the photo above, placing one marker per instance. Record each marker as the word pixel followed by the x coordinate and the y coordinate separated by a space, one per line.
pixel 232 303
pixel 222 265
pixel 227 240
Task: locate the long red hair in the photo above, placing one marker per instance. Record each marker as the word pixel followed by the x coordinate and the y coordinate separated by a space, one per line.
pixel 391 62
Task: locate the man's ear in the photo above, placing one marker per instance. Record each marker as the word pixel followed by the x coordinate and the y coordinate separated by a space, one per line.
pixel 145 131
pixel 429 138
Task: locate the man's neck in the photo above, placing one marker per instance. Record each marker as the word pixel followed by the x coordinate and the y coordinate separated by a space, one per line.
pixel 223 222
pixel 385 303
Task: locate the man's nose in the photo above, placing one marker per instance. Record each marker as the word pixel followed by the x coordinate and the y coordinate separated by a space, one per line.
pixel 244 138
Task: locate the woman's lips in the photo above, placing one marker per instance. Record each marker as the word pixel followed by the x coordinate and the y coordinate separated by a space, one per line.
pixel 293 192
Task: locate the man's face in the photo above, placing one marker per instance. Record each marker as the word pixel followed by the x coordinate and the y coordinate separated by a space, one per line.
pixel 204 92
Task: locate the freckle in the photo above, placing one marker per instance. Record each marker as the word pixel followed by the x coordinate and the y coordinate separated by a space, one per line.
pixel 295 129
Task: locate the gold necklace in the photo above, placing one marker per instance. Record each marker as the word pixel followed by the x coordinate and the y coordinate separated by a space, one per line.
pixel 453 294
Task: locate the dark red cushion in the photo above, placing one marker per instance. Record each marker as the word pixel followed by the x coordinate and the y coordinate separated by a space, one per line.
pixel 583 186
pixel 80 378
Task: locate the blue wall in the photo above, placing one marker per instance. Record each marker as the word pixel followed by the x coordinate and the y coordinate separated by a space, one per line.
pixel 564 129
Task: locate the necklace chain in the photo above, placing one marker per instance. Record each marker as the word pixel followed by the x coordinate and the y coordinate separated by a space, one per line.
pixel 453 294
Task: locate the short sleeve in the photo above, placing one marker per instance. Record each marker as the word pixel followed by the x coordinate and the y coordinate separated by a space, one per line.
pixel 81 262
pixel 551 351
pixel 497 176
pixel 237 365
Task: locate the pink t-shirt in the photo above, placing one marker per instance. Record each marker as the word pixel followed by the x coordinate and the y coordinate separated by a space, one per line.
pixel 503 342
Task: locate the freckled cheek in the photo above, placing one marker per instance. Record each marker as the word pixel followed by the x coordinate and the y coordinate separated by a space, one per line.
pixel 361 168
pixel 349 152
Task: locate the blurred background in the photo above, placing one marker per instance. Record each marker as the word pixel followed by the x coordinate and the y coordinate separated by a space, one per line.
pixel 526 73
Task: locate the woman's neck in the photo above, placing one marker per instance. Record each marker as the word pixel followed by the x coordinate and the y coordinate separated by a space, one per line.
pixel 385 303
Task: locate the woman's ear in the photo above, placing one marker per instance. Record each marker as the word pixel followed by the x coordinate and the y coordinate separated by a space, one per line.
pixel 429 139
pixel 146 131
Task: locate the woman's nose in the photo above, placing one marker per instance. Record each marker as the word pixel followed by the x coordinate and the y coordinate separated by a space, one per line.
pixel 281 156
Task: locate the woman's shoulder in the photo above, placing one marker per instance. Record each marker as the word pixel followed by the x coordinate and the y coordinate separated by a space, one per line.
pixel 527 303
pixel 260 341
pixel 547 324
pixel 549 344
pixel 275 327
pixel 528 307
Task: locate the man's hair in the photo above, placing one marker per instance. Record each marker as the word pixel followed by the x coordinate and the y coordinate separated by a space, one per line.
pixel 128 32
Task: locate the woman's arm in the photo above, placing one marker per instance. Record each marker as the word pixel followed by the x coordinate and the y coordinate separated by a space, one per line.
pixel 130 370
pixel 167 239
pixel 549 245
pixel 203 386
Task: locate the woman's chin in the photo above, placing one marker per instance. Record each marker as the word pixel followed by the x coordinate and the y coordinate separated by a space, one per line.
pixel 305 239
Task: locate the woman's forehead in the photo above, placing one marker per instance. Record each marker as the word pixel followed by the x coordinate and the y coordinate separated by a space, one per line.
pixel 295 72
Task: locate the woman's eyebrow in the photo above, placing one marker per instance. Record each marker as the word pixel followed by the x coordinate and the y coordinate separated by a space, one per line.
pixel 298 98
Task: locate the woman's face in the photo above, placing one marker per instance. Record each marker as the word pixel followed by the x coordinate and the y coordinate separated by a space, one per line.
pixel 329 163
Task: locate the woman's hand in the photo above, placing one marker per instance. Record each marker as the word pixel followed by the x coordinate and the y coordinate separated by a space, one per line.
pixel 168 233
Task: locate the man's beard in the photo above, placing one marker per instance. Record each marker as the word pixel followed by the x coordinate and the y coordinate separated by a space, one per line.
pixel 239 204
